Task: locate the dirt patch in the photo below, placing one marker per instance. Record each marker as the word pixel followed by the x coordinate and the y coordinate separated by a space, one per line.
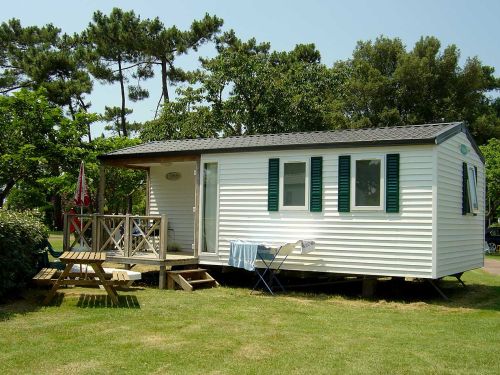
pixel 252 351
pixel 158 341
pixel 90 366
pixel 492 266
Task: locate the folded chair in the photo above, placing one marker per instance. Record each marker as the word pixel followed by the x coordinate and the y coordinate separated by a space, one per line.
pixel 268 256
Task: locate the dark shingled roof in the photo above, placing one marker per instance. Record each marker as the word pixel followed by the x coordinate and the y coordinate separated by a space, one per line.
pixel 395 135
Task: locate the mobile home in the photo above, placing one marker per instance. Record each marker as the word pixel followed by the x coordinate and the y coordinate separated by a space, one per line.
pixel 402 201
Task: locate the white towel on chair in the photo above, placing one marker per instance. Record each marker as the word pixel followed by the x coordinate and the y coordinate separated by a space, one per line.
pixel 306 246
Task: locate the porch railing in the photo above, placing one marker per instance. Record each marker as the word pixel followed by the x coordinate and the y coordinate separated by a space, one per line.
pixel 122 235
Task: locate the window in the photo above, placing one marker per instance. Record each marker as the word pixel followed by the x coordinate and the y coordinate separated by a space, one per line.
pixel 472 189
pixel 209 209
pixel 368 183
pixel 295 184
pixel 294 181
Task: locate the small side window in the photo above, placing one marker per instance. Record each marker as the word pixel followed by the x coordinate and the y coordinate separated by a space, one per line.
pixel 472 189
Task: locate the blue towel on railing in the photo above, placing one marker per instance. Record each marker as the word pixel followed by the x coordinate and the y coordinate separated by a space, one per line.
pixel 242 254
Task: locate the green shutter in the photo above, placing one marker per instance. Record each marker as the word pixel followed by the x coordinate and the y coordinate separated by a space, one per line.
pixel 465 197
pixel 344 199
pixel 392 183
pixel 273 185
pixel 316 192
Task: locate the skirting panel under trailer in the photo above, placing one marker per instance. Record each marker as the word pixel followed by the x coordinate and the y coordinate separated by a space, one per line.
pixel 170 261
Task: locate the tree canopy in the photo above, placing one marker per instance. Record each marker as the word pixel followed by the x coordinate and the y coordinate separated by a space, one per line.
pixel 491 152
pixel 245 87
pixel 249 89
pixel 36 139
pixel 383 84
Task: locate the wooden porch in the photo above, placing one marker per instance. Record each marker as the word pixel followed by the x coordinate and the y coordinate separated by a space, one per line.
pixel 126 239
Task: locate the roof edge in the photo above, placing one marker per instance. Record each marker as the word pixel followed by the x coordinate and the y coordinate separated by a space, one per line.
pixel 384 143
pixel 460 127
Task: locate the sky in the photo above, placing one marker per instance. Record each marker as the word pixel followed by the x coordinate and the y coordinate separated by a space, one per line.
pixel 333 26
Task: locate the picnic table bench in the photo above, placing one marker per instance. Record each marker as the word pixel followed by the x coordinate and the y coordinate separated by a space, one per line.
pixel 47 276
pixel 67 277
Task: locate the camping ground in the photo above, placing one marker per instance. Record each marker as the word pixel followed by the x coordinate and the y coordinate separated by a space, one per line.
pixel 226 330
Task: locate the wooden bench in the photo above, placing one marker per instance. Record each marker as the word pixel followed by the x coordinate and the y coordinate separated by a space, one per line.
pixel 121 278
pixel 46 276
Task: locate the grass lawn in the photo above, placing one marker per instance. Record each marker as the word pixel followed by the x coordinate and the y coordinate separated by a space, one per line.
pixel 228 331
pixel 56 240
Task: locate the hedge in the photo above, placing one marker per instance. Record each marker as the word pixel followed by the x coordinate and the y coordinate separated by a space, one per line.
pixel 21 235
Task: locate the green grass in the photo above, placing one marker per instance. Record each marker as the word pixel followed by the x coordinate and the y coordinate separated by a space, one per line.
pixel 56 240
pixel 493 256
pixel 228 331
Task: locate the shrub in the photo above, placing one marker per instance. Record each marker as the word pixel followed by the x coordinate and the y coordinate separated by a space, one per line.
pixel 21 235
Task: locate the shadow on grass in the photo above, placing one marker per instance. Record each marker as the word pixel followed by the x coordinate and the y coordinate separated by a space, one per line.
pixel 477 294
pixel 32 300
pixel 104 301
pixel 20 304
pixel 473 296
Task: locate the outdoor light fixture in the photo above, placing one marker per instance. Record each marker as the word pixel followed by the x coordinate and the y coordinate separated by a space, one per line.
pixel 173 176
pixel 464 149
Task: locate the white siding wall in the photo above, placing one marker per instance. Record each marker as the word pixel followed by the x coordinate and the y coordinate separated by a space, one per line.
pixel 460 238
pixel 371 243
pixel 175 199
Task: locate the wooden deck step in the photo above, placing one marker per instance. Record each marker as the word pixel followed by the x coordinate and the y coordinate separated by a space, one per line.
pixel 187 272
pixel 202 281
pixel 190 279
pixel 45 275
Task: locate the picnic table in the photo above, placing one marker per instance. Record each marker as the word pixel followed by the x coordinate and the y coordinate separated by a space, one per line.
pixel 83 258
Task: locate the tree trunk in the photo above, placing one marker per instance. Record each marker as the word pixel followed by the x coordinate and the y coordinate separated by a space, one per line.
pixel 57 219
pixel 6 190
pixel 84 107
pixel 122 88
pixel 56 200
pixel 71 110
pixel 129 204
pixel 164 81
pixel 88 132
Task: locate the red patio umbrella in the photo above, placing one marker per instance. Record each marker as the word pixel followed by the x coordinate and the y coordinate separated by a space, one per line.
pixel 82 197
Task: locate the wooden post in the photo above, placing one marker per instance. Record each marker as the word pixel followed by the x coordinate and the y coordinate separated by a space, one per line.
pixel 163 236
pixel 148 191
pixel 369 285
pixel 163 275
pixel 126 237
pixel 102 186
pixel 100 200
pixel 100 231
pixel 95 246
pixel 66 233
pixel 197 207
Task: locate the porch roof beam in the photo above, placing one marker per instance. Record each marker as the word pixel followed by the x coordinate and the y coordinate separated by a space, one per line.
pixel 144 162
